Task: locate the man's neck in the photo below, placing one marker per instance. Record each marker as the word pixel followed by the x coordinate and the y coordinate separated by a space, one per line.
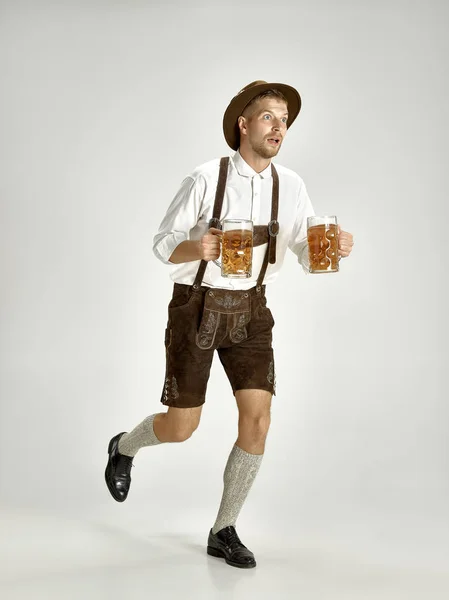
pixel 255 161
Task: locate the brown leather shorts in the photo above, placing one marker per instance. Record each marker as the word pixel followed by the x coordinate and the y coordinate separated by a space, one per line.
pixel 238 324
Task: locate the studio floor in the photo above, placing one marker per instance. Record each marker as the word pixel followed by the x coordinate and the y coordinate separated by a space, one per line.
pixel 53 557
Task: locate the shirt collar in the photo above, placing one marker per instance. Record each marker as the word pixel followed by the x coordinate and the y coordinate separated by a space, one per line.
pixel 245 170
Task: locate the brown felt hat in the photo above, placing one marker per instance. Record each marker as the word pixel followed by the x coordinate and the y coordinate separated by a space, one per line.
pixel 238 103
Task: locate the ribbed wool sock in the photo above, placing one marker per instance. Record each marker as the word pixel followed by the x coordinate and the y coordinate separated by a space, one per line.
pixel 240 472
pixel 140 436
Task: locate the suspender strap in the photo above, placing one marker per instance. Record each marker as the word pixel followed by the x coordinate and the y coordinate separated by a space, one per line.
pixel 219 194
pixel 273 230
pixel 273 225
pixel 215 221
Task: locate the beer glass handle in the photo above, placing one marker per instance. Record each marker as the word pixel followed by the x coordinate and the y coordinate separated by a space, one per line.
pixel 217 224
pixel 218 262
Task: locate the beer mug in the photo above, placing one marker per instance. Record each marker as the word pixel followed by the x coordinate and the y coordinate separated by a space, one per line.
pixel 236 248
pixel 322 238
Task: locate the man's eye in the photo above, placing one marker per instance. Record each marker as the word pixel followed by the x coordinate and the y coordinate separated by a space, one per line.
pixel 266 117
pixel 284 119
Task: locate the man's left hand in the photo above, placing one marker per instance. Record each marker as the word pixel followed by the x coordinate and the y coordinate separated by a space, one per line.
pixel 345 243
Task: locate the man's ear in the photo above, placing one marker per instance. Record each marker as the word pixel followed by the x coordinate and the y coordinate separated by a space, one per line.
pixel 242 125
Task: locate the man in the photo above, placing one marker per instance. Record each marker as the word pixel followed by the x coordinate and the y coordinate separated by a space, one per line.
pixel 209 312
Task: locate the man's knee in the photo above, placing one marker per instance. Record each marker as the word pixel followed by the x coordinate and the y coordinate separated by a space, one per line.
pixel 181 433
pixel 182 422
pixel 255 426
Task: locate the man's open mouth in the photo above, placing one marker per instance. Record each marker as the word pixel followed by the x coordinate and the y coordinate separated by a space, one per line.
pixel 274 140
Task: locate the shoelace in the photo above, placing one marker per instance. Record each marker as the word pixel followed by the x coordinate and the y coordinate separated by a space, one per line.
pixel 124 464
pixel 232 538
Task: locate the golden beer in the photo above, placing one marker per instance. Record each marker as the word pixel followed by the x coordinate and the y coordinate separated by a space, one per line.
pixel 236 253
pixel 323 248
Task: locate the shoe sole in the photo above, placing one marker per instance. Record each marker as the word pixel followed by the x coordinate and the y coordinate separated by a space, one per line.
pixel 107 475
pixel 219 554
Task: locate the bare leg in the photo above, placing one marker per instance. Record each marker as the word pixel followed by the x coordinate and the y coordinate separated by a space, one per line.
pixel 254 419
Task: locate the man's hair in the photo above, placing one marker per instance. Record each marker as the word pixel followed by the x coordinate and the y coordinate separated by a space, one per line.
pixel 266 94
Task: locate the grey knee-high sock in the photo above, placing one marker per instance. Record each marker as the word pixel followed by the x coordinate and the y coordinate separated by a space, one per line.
pixel 240 472
pixel 140 436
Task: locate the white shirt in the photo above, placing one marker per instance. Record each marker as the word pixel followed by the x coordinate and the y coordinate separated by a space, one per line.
pixel 247 196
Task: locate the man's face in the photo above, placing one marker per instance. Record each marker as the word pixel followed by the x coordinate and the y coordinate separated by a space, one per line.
pixel 264 128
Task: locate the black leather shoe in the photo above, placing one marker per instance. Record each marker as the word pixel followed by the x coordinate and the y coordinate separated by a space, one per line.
pixel 118 470
pixel 226 544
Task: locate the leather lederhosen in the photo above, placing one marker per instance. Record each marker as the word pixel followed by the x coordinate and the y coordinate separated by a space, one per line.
pixel 234 305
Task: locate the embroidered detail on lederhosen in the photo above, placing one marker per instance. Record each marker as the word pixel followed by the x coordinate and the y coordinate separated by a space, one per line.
pixel 170 389
pixel 234 306
pixel 271 377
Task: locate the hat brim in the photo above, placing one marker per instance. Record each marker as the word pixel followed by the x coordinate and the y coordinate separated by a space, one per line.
pixel 237 105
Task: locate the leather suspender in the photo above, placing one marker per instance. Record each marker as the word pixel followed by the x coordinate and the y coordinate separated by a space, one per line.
pixel 219 194
pixel 273 225
pixel 215 221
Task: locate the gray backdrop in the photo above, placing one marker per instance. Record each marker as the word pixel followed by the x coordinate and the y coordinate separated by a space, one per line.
pixel 105 107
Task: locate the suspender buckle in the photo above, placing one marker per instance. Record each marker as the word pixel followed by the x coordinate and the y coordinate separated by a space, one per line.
pixel 273 228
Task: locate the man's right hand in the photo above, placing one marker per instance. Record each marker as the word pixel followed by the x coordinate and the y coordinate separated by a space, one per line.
pixel 209 244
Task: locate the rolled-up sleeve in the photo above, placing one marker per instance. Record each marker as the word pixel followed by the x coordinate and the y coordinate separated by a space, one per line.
pixel 298 239
pixel 182 215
